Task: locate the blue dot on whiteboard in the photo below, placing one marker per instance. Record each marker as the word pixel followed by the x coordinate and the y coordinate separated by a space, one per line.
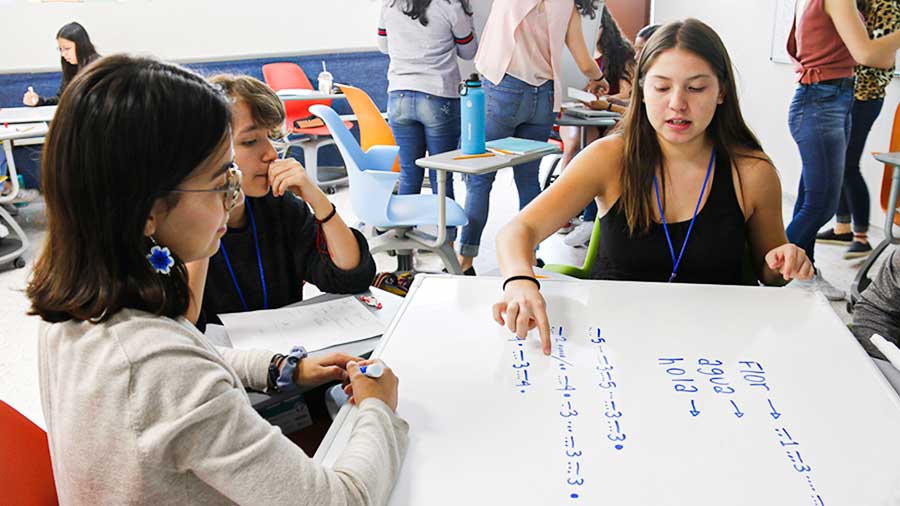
pixel 520 344
pixel 523 391
pixel 619 447
pixel 566 395
pixel 574 496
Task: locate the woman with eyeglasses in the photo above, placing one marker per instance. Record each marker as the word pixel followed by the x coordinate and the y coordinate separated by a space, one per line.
pixel 76 51
pixel 275 241
pixel 140 407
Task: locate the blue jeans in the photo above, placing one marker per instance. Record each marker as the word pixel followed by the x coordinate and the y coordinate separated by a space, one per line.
pixel 854 200
pixel 819 121
pixel 514 109
pixel 421 122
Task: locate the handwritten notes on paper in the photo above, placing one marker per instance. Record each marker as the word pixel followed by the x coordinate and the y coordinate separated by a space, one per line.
pixel 313 326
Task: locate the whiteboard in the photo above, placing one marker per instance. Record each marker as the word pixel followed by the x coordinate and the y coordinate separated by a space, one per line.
pixel 796 414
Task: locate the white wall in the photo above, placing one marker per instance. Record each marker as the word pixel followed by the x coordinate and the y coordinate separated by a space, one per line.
pixel 186 30
pixel 766 88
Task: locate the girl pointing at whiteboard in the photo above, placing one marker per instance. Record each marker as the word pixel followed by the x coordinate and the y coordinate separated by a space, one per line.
pixel 683 190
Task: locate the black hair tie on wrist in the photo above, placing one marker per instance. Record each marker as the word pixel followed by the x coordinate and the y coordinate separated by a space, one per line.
pixel 517 278
pixel 330 215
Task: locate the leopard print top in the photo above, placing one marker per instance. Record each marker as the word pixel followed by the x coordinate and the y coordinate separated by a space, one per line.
pixel 882 18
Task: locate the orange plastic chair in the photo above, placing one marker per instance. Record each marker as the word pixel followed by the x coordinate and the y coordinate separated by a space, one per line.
pixel 24 461
pixel 889 169
pixel 374 130
pixel 289 76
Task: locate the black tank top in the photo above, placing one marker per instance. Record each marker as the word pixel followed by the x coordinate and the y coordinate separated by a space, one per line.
pixel 714 252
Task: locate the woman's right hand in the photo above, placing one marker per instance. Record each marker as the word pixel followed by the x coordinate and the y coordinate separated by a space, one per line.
pixel 362 387
pixel 522 309
pixel 31 98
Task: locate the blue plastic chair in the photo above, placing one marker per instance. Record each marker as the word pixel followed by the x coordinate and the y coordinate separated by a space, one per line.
pixel 371 194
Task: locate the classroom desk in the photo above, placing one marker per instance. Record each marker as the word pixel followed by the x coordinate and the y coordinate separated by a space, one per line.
pixel 664 404
pixel 305 94
pixel 445 162
pixel 18 132
pixel 889 239
pixel 27 114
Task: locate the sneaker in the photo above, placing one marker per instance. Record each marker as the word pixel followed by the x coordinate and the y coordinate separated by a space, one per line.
pixel 568 227
pixel 857 250
pixel 581 236
pixel 829 237
pixel 821 285
pixel 26 195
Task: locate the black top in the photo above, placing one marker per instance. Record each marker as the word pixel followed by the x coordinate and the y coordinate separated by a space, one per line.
pixel 714 251
pixel 287 241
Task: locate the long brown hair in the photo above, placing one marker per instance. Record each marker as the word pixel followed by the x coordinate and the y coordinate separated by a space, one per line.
pixel 127 132
pixel 729 133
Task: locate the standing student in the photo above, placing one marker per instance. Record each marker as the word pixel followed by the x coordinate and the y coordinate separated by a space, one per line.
pixel 423 39
pixel 75 53
pixel 275 241
pixel 882 18
pixel 139 178
pixel 519 56
pixel 616 58
pixel 827 39
pixel 685 188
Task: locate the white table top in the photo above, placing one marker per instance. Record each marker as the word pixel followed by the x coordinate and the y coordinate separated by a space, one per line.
pixel 445 161
pixel 27 114
pixel 23 131
pixel 306 94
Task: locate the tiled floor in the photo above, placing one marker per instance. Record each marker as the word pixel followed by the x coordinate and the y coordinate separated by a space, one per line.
pixel 18 332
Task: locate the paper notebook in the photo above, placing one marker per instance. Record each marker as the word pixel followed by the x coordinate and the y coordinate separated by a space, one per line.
pixel 518 146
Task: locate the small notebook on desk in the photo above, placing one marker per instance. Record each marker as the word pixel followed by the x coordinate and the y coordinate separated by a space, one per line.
pixel 516 146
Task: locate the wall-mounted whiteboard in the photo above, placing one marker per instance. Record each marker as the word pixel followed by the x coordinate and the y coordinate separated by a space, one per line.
pixel 655 394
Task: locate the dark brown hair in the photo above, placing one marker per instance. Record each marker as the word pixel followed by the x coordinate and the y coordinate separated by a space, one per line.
pixel 266 108
pixel 127 132
pixel 618 53
pixel 84 51
pixel 729 133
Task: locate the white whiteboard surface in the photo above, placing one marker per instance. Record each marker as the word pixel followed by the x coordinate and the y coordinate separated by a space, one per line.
pixel 478 435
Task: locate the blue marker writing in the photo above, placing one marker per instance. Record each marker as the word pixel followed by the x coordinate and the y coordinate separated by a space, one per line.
pixel 373 370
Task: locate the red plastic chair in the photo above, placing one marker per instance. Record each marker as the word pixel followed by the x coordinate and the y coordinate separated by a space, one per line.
pixel 286 76
pixel 27 476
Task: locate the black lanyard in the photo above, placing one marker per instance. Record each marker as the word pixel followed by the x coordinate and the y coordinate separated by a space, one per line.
pixel 662 215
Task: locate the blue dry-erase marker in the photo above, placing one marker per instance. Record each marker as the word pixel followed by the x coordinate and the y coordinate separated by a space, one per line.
pixel 373 370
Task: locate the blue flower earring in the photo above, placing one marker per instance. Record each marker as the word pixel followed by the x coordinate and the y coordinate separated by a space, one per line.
pixel 160 258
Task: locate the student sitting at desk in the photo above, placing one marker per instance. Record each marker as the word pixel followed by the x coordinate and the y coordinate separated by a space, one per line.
pixel 274 242
pixel 616 60
pixel 684 187
pixel 140 407
pixel 75 53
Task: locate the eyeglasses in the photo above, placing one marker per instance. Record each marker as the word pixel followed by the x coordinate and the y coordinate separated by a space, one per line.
pixel 231 190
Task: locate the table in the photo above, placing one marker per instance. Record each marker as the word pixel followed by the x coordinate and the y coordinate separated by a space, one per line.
pixel 862 280
pixel 445 162
pixel 27 114
pixel 307 94
pixel 645 400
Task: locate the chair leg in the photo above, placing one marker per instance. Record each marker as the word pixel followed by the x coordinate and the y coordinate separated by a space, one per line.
pixel 862 276
pixel 311 160
pixel 448 256
pixel 551 174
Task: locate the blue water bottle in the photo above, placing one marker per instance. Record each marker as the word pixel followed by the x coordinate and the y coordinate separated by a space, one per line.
pixel 472 115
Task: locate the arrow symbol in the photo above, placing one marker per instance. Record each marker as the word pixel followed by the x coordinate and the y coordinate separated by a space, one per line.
pixel 737 411
pixel 694 411
pixel 775 414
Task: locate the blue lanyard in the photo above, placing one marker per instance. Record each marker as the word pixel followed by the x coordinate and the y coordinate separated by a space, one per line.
pixel 662 215
pixel 262 275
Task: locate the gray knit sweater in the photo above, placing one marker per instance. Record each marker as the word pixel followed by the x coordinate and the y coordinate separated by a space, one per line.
pixel 878 309
pixel 144 410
